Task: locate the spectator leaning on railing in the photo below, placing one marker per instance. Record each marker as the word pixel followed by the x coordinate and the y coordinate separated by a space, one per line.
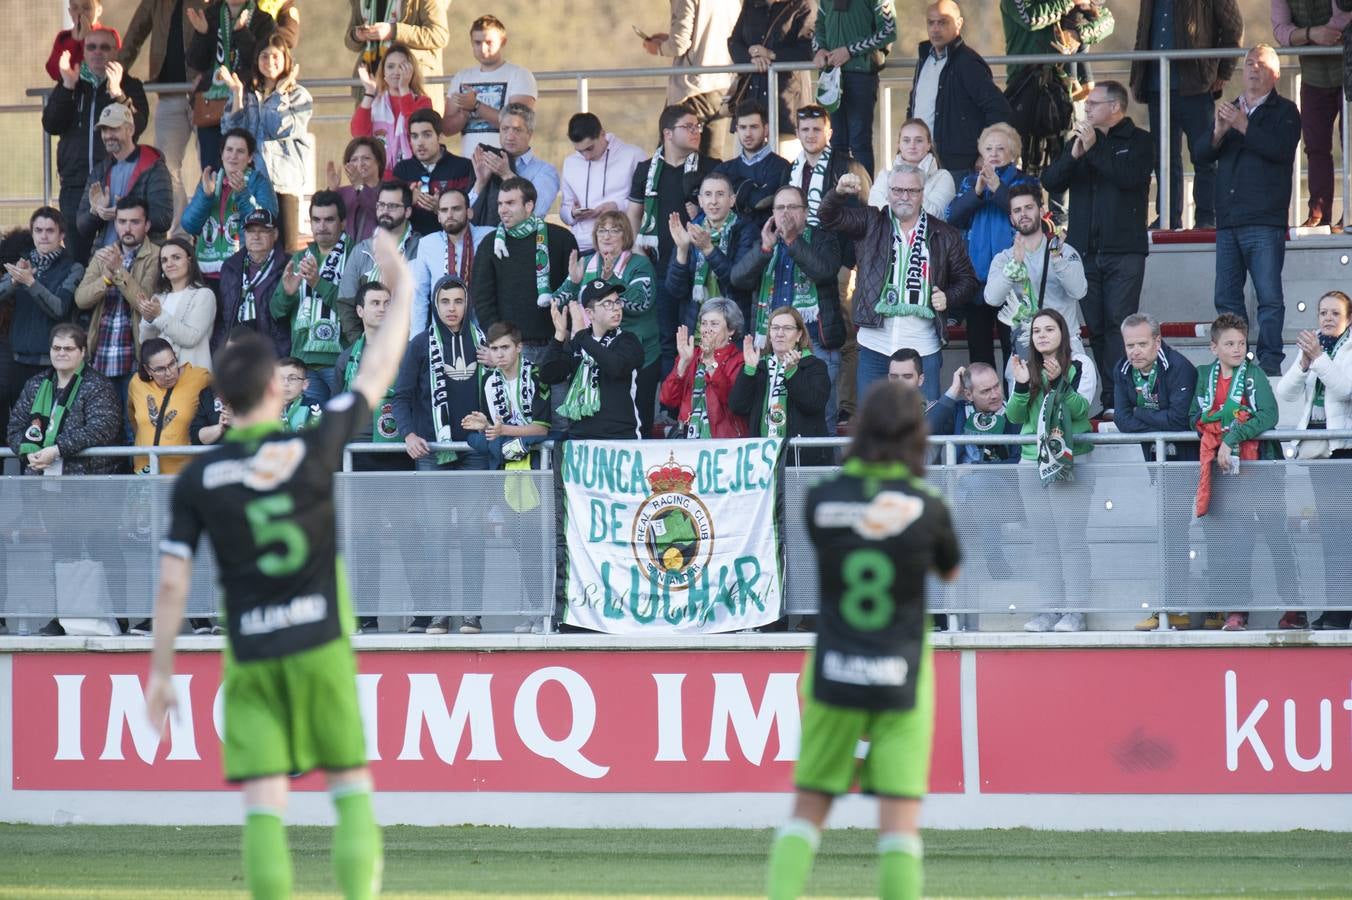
pixel 1319 384
pixel 1046 402
pixel 1232 407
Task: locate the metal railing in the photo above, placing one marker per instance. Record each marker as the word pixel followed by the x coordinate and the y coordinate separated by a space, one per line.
pixel 1121 538
pixel 899 73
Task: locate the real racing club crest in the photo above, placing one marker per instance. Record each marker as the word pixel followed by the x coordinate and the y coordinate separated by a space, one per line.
pixel 673 535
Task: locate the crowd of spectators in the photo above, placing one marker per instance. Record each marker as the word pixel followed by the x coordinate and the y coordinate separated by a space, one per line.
pixel 684 294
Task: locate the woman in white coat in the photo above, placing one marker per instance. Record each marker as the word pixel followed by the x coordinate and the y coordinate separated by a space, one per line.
pixel 183 309
pixel 1320 383
pixel 915 146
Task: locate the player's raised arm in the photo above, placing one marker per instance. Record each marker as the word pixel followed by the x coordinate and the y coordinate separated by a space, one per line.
pixel 384 350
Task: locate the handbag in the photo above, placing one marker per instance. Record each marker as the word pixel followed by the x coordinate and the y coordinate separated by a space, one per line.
pixel 83 604
pixel 1040 101
pixel 206 112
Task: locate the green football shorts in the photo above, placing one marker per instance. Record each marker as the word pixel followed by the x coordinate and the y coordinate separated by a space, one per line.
pixel 898 757
pixel 292 714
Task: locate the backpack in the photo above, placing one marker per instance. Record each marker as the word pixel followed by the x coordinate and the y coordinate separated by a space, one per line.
pixel 1042 108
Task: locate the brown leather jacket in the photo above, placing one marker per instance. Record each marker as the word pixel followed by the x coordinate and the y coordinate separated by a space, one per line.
pixel 871 230
pixel 1198 24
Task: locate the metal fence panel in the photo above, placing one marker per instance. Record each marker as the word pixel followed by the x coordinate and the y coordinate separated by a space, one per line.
pixel 1119 538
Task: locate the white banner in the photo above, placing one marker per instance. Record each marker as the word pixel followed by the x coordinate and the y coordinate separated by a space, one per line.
pixel 671 537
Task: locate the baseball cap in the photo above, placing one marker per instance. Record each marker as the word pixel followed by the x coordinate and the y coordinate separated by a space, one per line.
pixel 115 115
pixel 260 217
pixel 599 289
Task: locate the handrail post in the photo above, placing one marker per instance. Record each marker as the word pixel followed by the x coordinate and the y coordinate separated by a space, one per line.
pixel 1293 214
pixel 950 453
pixel 1347 163
pixel 1163 173
pixel 47 167
pixel 771 106
pixel 582 98
pixel 885 131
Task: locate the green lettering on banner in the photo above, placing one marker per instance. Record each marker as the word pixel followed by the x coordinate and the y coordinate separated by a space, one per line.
pixel 612 606
pixel 720 486
pixel 597 534
pixel 769 457
pixel 647 615
pixel 569 466
pixel 746 584
pixel 698 590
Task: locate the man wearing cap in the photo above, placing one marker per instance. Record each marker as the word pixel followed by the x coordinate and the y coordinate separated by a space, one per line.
pixel 128 169
pixel 248 280
pixel 599 360
pixel 72 112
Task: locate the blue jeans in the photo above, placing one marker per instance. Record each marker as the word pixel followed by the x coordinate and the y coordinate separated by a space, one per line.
pixel 1259 251
pixel 832 360
pixel 1194 117
pixel 668 318
pixel 873 367
pixel 320 388
pixel 852 122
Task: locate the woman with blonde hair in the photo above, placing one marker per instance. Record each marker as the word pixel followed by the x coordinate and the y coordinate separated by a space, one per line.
pixel 915 146
pixel 981 211
pixel 390 96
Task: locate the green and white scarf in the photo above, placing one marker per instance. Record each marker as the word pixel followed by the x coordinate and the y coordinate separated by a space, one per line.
pixel 805 298
pixel 1332 352
pixel 1146 397
pixel 705 281
pixel 219 238
pixel 984 423
pixel 775 415
pixel 816 186
pixel 1025 301
pixel 1055 456
pixel 373 273
pixel 49 412
pixel 88 75
pixel 907 290
pixel 536 226
pixel 698 426
pixel 225 51
pixel 1239 397
pixel 442 416
pixel 584 393
pixel 648 225
pixel 372 52
pixel 384 429
pixel 299 414
pixel 500 406
pixel 248 303
pixel 316 327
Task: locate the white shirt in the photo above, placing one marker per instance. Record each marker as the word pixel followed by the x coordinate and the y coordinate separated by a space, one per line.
pixel 589 184
pixel 494 89
pixel 429 265
pixel 927 88
pixel 896 332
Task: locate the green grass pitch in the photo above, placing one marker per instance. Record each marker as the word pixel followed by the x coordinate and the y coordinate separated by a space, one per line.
pixel 159 863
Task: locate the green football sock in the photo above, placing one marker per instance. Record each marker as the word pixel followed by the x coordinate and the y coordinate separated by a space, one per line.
pixel 267 861
pixel 357 847
pixel 900 867
pixel 791 859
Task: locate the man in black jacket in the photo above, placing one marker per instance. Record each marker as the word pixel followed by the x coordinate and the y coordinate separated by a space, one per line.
pixel 602 361
pixel 1254 146
pixel 954 93
pixel 1107 168
pixel 72 112
pixel 506 285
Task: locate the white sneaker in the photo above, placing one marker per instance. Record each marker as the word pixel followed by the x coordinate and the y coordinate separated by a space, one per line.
pixel 471 625
pixel 1041 622
pixel 1070 622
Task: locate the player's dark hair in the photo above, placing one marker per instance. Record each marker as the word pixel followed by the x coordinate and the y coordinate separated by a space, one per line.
pixel 243 370
pixel 320 199
pixel 890 426
pixel 583 126
pixel 499 330
pixel 429 116
pixel 364 290
pixel 244 135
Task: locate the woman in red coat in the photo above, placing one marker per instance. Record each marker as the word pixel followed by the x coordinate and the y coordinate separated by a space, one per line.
pixel 704 375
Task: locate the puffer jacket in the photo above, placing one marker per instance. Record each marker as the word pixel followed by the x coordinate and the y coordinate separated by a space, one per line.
pixel 871 231
pixel 94 419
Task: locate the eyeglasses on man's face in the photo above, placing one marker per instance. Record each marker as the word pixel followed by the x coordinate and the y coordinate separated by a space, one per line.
pixel 609 303
pixel 388 207
pixel 65 348
pixel 293 379
pixel 905 192
pixel 788 207
pixel 694 127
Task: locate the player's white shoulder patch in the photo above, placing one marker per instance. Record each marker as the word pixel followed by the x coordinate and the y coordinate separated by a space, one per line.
pixel 341 402
pixel 890 513
pixel 274 463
